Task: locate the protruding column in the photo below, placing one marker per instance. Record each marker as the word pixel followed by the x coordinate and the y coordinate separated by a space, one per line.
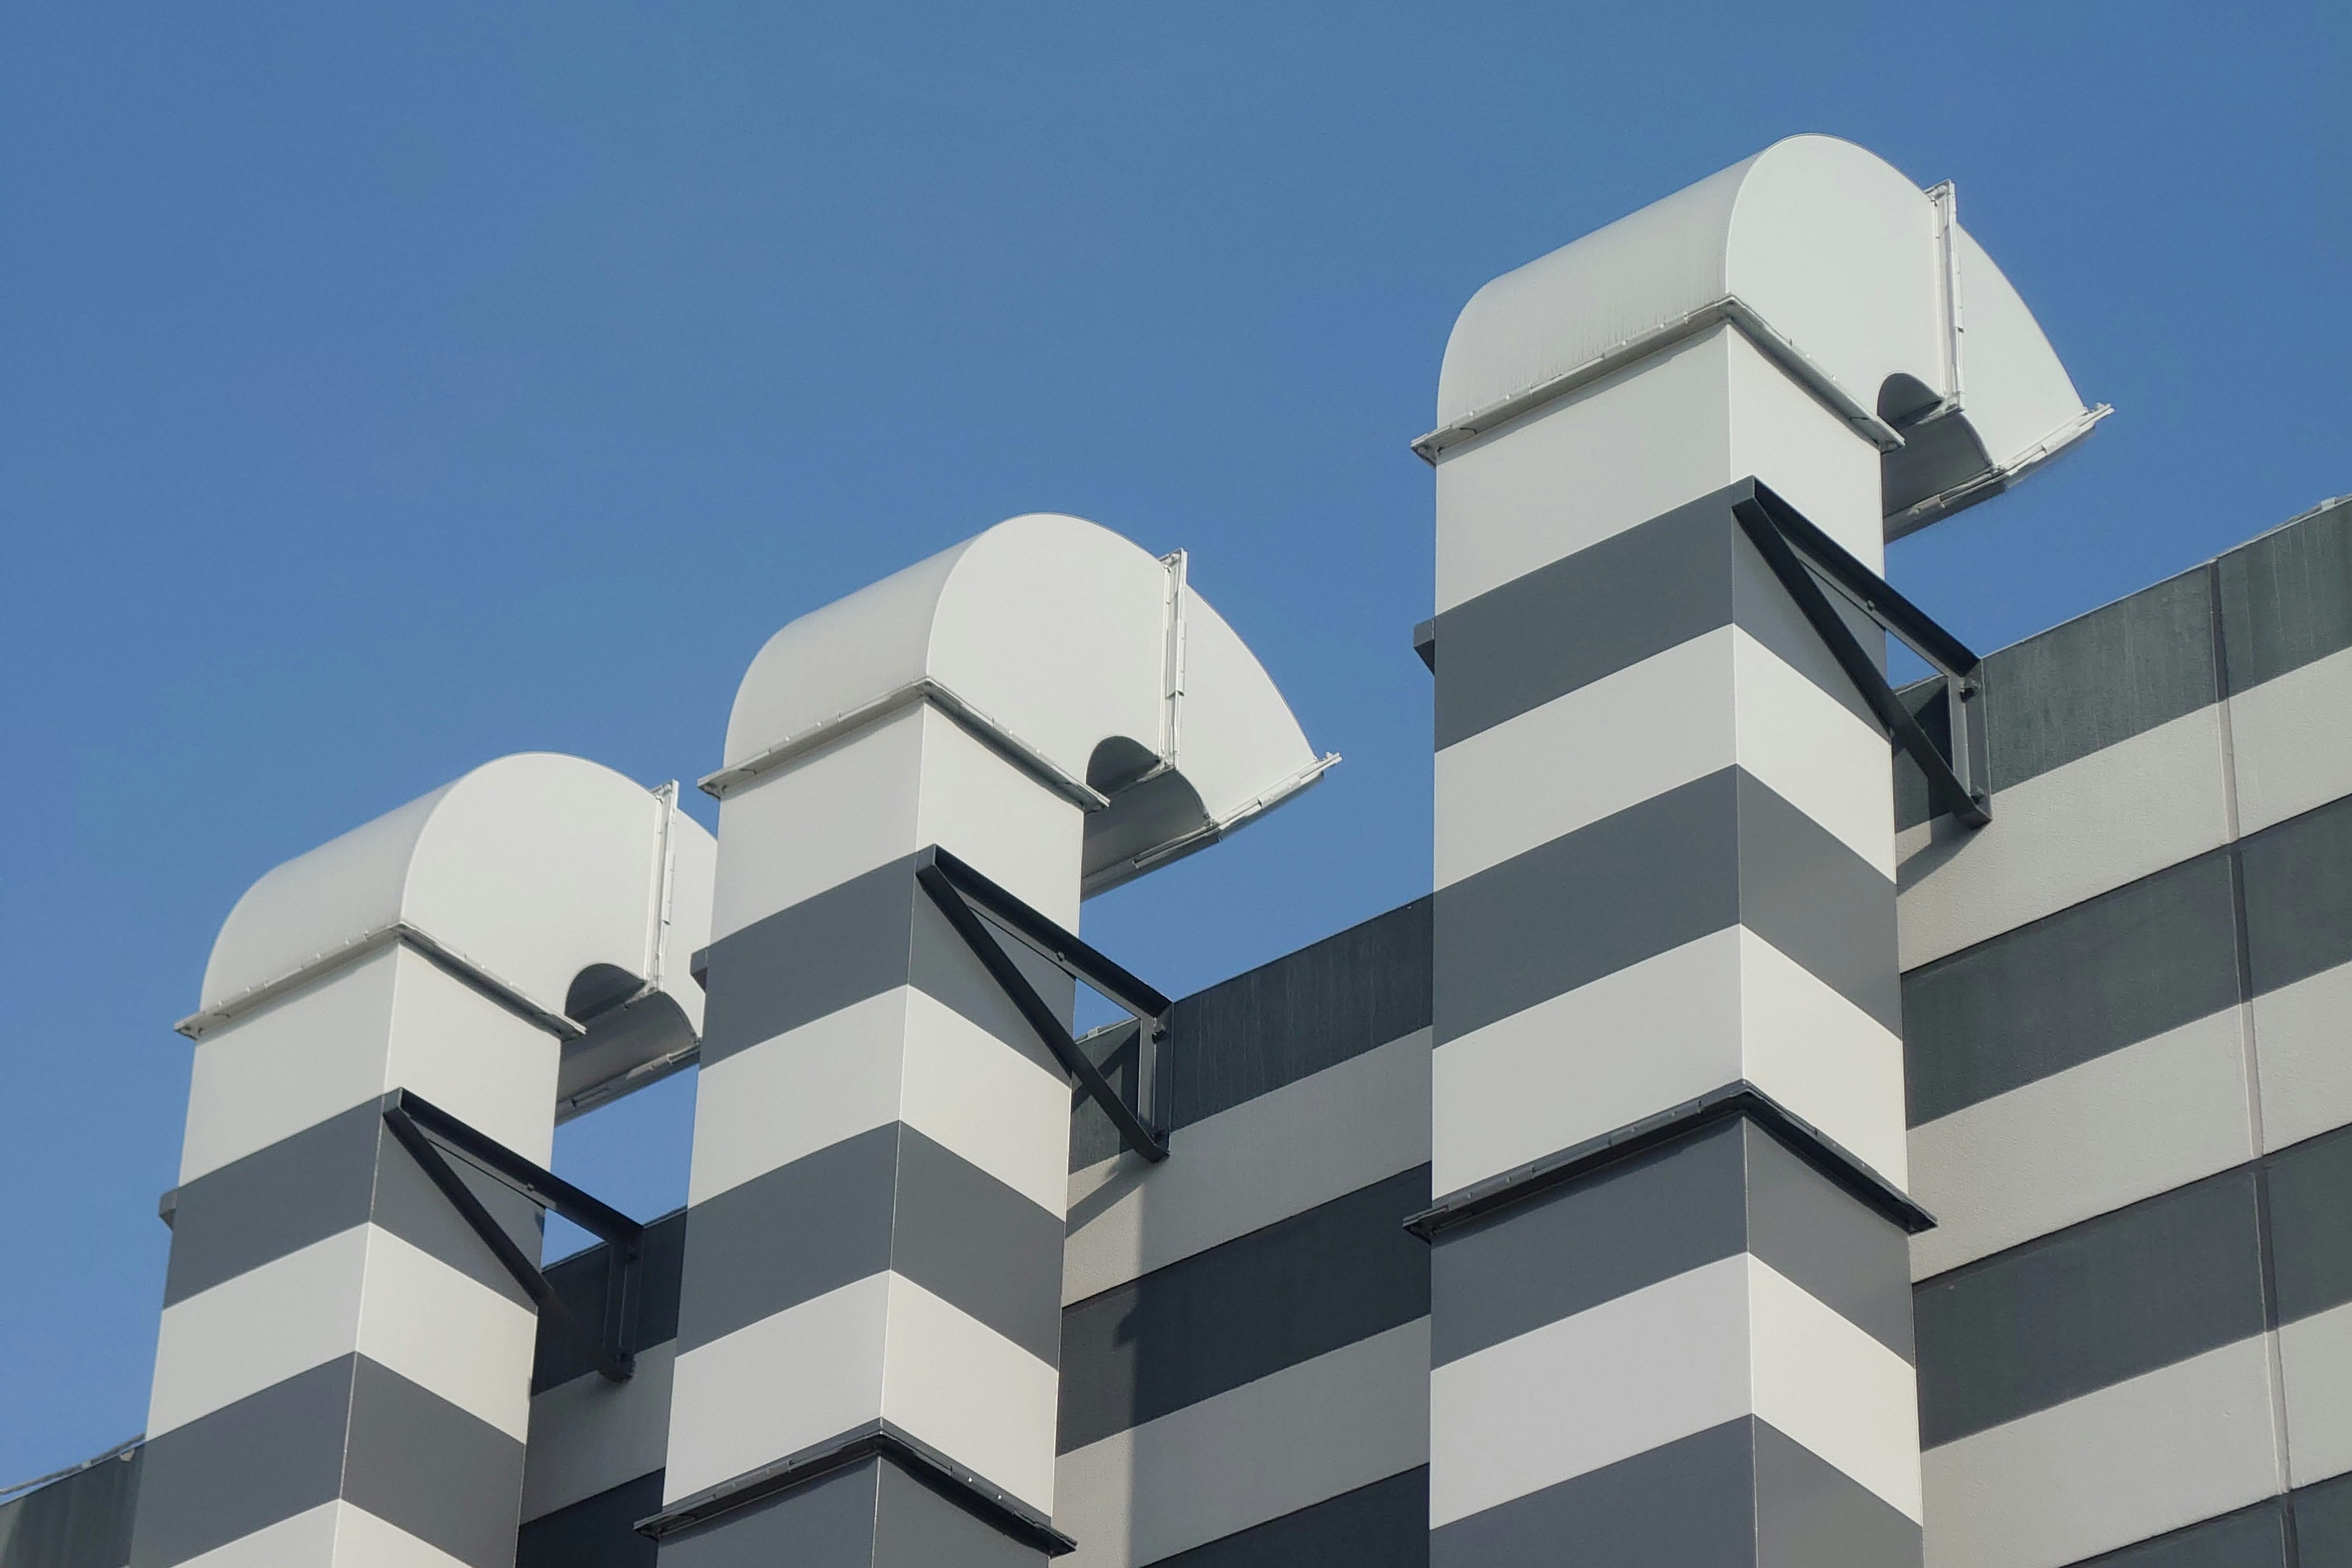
pixel 1670 1300
pixel 343 1373
pixel 870 1323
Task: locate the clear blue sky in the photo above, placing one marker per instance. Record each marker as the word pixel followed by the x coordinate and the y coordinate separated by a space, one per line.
pixel 382 389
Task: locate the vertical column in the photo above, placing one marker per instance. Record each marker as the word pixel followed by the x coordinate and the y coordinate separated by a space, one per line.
pixel 343 1374
pixel 1666 1327
pixel 870 1320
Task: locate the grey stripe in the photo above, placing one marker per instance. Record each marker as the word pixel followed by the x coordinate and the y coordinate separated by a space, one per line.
pixel 343 1172
pixel 2066 989
pixel 594 1533
pixel 2089 1306
pixel 2299 896
pixel 1739 1493
pixel 349 1429
pixel 1283 1021
pixel 441 1474
pixel 867 1515
pixel 579 1281
pixel 886 1199
pixel 859 938
pixel 245 1467
pixel 1384 1525
pixel 2286 597
pixel 2323 1522
pixel 2250 1538
pixel 2308 1196
pixel 1676 868
pixel 1728 1189
pixel 1634 594
pixel 1340 1272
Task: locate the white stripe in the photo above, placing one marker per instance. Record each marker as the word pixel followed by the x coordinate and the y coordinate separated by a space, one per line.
pixel 2291 743
pixel 1731 1339
pixel 2134 1460
pixel 2105 1133
pixel 334 1532
pixel 1281 1153
pixel 776 1386
pixel 363 1289
pixel 900 1055
pixel 589 1436
pixel 958 1385
pixel 2065 835
pixel 1654 1034
pixel 1313 1430
pixel 1719 698
pixel 2315 1358
pixel 2302 1050
pixel 881 1346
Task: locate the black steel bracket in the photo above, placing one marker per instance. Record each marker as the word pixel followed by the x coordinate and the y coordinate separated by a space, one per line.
pixel 431 1134
pixel 1803 557
pixel 964 896
pixel 873 1438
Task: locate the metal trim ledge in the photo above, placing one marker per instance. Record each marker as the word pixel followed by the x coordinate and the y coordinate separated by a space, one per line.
pixel 876 1439
pixel 1741 1099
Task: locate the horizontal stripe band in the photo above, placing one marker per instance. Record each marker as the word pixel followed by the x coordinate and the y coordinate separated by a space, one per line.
pixel 871 934
pixel 1719 1190
pixel 1299 1288
pixel 889 1199
pixel 343 1172
pixel 1737 1493
pixel 1615 603
pixel 595 1532
pixel 1384 1525
pixel 349 1429
pixel 1722 851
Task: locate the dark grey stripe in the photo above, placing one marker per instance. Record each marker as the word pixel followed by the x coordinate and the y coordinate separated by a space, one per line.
pixel 80 1520
pixel 859 938
pixel 1728 1189
pixel 245 1467
pixel 886 1199
pixel 1740 1493
pixel 440 1473
pixel 349 1429
pixel 1384 1525
pixel 2250 1538
pixel 871 1514
pixel 2089 1306
pixel 579 1281
pixel 1308 1285
pixel 2286 597
pixel 320 1181
pixel 1634 594
pixel 2299 896
pixel 2308 1198
pixel 2323 1522
pixel 1676 868
pixel 595 1532
pixel 2069 988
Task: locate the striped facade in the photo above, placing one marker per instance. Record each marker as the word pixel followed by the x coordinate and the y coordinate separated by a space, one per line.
pixel 2128 1018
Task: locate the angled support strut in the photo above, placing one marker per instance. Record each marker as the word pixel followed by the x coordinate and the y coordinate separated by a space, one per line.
pixel 963 895
pixel 425 1131
pixel 1803 557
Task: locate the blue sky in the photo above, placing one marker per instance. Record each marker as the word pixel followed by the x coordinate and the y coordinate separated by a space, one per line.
pixel 386 389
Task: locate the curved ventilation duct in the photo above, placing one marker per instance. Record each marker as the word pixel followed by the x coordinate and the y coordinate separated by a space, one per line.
pixel 1667 999
pixel 342 1360
pixel 1859 286
pixel 921 783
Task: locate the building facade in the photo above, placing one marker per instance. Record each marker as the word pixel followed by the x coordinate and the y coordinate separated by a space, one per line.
pixel 1767 1144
